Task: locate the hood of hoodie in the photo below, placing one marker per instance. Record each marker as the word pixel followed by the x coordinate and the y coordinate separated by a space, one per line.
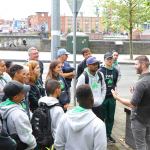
pixel 48 100
pixel 90 75
pixel 7 107
pixel 78 118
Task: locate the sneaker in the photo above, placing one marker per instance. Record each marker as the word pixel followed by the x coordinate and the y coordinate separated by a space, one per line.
pixel 111 140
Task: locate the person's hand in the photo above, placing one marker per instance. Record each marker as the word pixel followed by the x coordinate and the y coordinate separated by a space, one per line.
pixel 66 106
pixel 114 93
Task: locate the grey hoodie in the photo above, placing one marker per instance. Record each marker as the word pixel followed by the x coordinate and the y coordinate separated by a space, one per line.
pixel 80 129
pixel 18 122
pixel 56 112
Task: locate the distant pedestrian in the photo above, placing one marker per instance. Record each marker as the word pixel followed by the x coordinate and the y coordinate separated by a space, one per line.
pixel 109 103
pixel 86 52
pixel 140 104
pixel 80 128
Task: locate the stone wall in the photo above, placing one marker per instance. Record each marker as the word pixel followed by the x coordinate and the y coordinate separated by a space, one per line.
pixel 97 46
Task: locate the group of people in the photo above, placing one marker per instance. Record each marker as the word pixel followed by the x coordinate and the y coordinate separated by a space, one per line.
pixel 23 90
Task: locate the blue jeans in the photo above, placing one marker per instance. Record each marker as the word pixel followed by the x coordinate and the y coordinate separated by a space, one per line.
pixel 141 134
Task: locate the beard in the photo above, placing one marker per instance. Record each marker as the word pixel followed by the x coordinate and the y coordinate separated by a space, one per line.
pixel 139 70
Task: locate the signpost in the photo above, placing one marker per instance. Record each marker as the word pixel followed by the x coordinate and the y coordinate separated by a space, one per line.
pixel 55 28
pixel 75 7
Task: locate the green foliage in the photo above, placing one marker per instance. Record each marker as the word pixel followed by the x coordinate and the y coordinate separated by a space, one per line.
pixel 119 14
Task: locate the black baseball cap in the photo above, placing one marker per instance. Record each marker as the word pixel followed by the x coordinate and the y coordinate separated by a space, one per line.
pixel 13 88
pixel 108 55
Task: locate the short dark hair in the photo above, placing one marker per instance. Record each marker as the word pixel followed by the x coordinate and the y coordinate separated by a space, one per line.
pixel 15 68
pixel 14 87
pixel 143 59
pixel 85 50
pixel 50 86
pixel 84 96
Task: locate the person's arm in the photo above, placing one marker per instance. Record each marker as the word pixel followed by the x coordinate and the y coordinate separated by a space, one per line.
pixel 81 80
pixel 59 142
pixel 103 86
pixel 124 101
pixel 69 75
pixel 56 115
pixel 24 129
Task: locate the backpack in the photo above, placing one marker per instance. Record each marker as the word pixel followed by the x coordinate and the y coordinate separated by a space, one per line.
pixel 41 125
pixel 6 142
pixel 87 77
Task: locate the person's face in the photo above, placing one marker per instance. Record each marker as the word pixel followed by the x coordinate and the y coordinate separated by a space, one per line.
pixel 2 67
pixel 93 67
pixel 138 67
pixel 109 62
pixel 21 76
pixel 58 68
pixel 115 56
pixel 87 54
pixel 27 75
pixel 34 55
pixel 19 97
pixel 65 57
pixel 58 91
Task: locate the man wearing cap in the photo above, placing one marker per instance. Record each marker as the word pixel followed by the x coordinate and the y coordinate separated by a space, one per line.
pixel 18 123
pixel 96 82
pixel 67 70
pixel 109 104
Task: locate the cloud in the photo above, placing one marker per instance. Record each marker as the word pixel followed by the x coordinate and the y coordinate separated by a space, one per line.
pixel 23 8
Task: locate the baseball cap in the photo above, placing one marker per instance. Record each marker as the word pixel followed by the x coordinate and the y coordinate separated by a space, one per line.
pixel 13 88
pixel 108 55
pixel 62 51
pixel 91 60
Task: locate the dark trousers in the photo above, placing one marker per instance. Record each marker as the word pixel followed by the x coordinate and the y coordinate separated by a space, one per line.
pixel 98 111
pixel 108 113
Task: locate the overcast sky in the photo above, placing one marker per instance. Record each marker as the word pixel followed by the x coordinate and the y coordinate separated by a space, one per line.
pixel 23 8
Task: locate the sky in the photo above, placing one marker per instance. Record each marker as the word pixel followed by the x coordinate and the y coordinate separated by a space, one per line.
pixel 23 8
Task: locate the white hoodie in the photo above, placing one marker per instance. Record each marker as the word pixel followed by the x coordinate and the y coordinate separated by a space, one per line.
pixel 80 129
pixel 56 112
pixel 98 89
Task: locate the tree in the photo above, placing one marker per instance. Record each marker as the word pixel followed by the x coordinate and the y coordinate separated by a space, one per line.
pixel 127 14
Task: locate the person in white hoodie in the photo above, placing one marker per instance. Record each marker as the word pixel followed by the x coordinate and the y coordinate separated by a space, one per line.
pixel 16 120
pixel 96 82
pixel 80 128
pixel 53 91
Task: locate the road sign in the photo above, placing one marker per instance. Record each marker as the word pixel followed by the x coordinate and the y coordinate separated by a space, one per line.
pixel 79 3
